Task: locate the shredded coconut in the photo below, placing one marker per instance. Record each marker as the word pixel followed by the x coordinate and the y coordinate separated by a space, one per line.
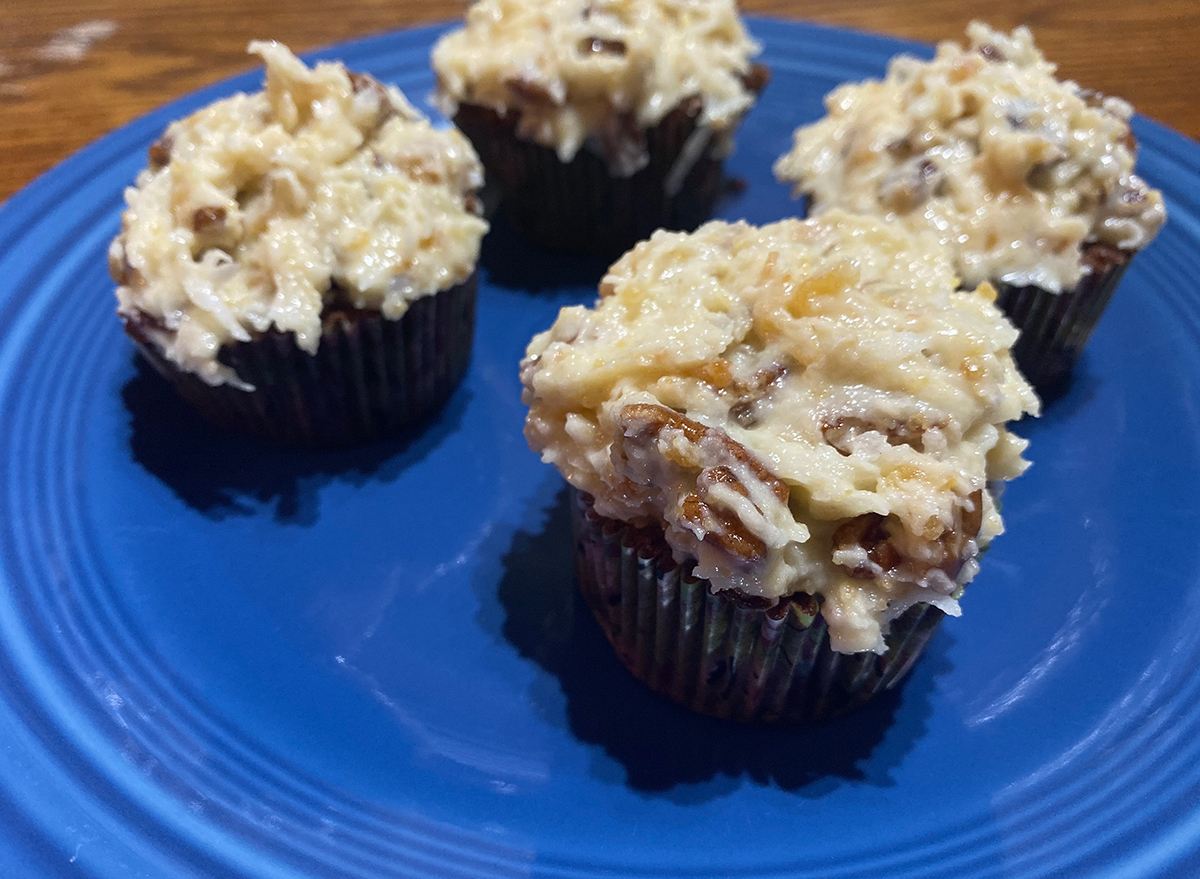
pixel 808 406
pixel 256 208
pixel 1014 170
pixel 581 69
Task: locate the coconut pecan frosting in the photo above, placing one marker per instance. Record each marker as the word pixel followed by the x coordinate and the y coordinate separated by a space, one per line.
pixel 809 406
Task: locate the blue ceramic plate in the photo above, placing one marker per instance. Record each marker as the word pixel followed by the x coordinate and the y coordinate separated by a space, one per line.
pixel 222 659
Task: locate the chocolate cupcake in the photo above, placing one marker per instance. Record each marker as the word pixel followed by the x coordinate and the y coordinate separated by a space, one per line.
pixel 300 262
pixel 1027 180
pixel 782 441
pixel 600 122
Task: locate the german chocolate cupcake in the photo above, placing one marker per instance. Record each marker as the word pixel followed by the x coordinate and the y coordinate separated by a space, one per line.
pixel 1028 181
pixel 299 263
pixel 782 442
pixel 600 120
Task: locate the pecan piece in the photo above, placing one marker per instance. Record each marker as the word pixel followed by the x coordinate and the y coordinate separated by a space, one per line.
pixel 869 532
pixel 841 430
pixel 363 82
pixel 743 413
pixel 972 519
pixel 123 272
pixel 689 107
pixel 720 475
pixel 721 528
pixel 901 149
pixel 882 538
pixel 647 420
pixel 750 393
pixel 760 381
pixel 756 78
pixel 911 184
pixel 601 46
pixel 992 54
pixel 1100 258
pixel 143 327
pixel 708 458
pixel 528 90
pixel 159 154
pixel 643 422
pixel 208 219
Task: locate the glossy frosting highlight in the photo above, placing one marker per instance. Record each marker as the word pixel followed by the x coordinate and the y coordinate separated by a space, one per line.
pixel 258 209
pixel 1014 170
pixel 802 406
pixel 588 71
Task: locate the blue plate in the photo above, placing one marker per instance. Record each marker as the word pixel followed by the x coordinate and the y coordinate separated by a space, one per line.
pixel 218 658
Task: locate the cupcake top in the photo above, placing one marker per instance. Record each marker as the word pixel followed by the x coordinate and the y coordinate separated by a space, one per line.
pixel 325 189
pixel 598 69
pixel 1016 171
pixel 808 406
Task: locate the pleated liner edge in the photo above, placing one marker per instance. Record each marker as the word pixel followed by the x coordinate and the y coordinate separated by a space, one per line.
pixel 370 377
pixel 717 655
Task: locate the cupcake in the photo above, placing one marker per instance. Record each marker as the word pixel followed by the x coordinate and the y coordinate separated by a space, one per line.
pixel 783 443
pixel 600 120
pixel 299 263
pixel 1028 181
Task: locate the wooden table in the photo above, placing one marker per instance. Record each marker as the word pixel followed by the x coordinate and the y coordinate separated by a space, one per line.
pixel 70 70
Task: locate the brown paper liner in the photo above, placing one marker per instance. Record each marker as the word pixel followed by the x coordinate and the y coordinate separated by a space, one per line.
pixel 719 655
pixel 370 377
pixel 1056 326
pixel 579 206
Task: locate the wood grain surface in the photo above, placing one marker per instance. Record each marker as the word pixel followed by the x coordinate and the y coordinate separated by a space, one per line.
pixel 70 70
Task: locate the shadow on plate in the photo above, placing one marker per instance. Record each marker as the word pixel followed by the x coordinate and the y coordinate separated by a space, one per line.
pixel 1064 402
pixel 221 474
pixel 512 262
pixel 661 746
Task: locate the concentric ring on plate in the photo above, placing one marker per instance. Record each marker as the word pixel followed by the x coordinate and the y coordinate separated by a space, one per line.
pixel 65 630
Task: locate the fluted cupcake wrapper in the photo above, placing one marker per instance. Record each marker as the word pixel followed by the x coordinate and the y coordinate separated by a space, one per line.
pixel 717 655
pixel 1055 327
pixel 370 377
pixel 579 206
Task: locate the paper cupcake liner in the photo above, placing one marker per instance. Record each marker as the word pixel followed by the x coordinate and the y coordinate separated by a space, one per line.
pixel 1055 327
pixel 370 377
pixel 719 655
pixel 579 206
